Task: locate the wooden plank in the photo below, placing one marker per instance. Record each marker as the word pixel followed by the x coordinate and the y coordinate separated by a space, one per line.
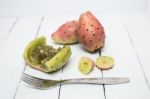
pixel 12 63
pixel 49 26
pixel 6 25
pixel 120 48
pixel 139 33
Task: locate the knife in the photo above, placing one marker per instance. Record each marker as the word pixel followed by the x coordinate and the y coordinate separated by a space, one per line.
pixel 97 81
pixel 47 83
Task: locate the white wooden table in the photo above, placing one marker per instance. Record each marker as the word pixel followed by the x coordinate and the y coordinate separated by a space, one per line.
pixel 127 40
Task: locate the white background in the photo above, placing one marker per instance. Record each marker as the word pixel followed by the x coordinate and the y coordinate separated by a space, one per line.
pixel 49 7
pixel 126 41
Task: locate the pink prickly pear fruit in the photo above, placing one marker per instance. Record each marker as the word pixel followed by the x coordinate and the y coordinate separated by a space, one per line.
pixel 66 33
pixel 90 32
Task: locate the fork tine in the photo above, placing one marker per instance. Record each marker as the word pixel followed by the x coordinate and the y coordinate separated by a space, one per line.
pixel 32 83
pixel 33 79
pixel 35 82
pixel 39 83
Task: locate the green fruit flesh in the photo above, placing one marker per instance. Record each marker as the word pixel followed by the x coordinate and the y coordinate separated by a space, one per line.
pixel 85 65
pixel 104 62
pixel 59 60
pixel 37 54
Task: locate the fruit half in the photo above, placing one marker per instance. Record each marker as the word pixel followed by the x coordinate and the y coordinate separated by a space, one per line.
pixel 43 57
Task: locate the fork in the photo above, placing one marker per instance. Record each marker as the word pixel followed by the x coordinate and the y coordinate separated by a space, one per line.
pixel 40 83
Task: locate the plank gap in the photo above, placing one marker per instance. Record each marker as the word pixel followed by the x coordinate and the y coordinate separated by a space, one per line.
pixel 104 89
pixel 141 65
pixel 19 82
pixel 59 92
pixel 39 27
pixel 129 36
pixel 9 31
pixel 100 53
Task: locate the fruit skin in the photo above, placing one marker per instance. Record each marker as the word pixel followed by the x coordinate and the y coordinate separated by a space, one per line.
pixel 66 33
pixel 59 60
pixel 63 55
pixel 90 32
pixel 104 62
pixel 28 51
pixel 86 65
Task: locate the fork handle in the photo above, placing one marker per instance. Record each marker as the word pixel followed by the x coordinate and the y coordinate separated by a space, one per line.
pixel 98 81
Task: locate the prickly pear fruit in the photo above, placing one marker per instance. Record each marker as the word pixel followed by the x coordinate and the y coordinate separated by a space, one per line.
pixel 90 32
pixel 86 65
pixel 104 62
pixel 41 56
pixel 66 33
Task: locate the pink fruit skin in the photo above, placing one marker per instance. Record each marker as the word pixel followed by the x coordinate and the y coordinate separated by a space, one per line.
pixel 66 33
pixel 90 32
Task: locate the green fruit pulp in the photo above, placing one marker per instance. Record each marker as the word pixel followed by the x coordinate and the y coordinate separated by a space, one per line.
pixel 43 53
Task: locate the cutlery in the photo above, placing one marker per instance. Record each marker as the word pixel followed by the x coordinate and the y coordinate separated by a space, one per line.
pixel 46 83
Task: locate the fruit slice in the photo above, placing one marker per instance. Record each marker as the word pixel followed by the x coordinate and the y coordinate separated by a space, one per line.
pixel 85 65
pixel 41 56
pixel 104 62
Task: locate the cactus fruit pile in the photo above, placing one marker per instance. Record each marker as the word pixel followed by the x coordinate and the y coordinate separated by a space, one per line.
pixel 87 30
pixel 44 57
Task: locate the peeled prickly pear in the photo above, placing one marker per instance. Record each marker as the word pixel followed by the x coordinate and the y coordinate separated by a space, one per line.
pixel 66 33
pixel 44 57
pixel 90 32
